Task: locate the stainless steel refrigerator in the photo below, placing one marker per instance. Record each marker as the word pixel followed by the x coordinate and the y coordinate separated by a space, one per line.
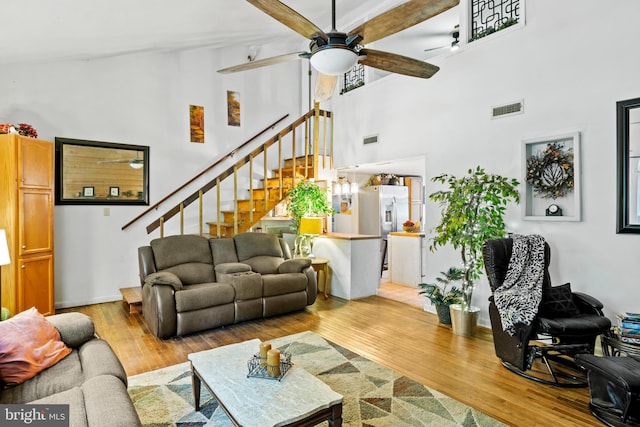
pixel 381 210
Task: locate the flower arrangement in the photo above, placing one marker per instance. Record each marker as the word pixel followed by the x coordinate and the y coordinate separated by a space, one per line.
pixel 21 128
pixel 551 172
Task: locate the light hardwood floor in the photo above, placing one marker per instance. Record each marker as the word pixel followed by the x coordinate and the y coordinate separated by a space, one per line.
pixel 399 335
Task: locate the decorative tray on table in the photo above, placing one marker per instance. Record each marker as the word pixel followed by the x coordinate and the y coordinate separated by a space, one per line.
pixel 256 370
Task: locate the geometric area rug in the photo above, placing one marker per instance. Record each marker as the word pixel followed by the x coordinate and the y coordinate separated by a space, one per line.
pixel 373 394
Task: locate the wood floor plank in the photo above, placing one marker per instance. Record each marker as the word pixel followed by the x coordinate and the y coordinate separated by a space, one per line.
pixel 400 336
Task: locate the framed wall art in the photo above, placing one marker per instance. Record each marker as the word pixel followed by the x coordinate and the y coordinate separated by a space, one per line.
pixel 551 184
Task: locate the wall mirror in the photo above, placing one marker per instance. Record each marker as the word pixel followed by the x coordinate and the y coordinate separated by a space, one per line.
pixel 100 173
pixel 628 159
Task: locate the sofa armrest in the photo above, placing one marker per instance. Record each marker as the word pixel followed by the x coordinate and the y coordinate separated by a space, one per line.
pixel 75 328
pixel 164 278
pixel 232 267
pixel 225 272
pixel 146 262
pixel 295 265
pixel 587 303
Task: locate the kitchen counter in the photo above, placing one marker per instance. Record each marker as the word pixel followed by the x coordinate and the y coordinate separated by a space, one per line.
pixel 353 263
pixel 407 258
pixel 408 234
pixel 347 236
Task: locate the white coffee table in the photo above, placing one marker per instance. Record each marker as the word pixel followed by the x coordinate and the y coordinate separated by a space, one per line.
pixel 298 399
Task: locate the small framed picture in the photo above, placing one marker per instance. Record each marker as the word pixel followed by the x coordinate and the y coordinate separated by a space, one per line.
pixel 114 191
pixel 87 192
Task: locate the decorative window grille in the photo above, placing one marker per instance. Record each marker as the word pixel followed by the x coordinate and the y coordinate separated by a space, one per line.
pixel 489 16
pixel 353 79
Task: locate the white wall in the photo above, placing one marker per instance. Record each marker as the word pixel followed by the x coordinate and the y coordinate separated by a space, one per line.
pixel 570 64
pixel 138 99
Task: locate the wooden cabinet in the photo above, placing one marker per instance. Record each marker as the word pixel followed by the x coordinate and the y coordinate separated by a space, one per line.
pixel 26 214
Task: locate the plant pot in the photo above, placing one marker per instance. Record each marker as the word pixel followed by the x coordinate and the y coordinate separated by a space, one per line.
pixel 444 315
pixel 463 322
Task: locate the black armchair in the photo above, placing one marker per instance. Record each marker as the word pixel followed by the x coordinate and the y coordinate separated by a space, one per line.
pixel 614 386
pixel 567 323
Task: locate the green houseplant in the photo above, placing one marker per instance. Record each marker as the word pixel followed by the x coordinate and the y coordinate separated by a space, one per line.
pixel 304 200
pixel 442 297
pixel 473 209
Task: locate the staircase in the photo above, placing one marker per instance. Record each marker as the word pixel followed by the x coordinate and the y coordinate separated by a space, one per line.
pixel 264 199
pixel 276 167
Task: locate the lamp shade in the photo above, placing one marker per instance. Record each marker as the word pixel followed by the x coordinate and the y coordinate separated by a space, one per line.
pixel 4 249
pixel 310 225
pixel 334 60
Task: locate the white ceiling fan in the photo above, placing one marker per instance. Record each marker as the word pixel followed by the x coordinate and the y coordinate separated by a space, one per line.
pixel 334 52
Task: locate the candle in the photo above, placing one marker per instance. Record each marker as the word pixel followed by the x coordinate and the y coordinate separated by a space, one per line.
pixel 264 348
pixel 273 362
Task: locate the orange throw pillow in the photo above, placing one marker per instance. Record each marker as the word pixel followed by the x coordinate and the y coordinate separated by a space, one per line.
pixel 28 345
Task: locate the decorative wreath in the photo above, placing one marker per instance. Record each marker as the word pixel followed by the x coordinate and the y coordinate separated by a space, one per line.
pixel 550 172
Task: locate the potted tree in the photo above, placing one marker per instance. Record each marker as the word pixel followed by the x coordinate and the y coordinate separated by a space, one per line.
pixel 442 297
pixel 306 199
pixel 473 209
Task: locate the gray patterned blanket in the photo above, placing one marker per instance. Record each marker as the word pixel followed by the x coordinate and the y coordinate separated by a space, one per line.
pixel 518 298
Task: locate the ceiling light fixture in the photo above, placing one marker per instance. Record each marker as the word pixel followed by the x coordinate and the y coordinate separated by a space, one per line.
pixel 136 164
pixel 334 60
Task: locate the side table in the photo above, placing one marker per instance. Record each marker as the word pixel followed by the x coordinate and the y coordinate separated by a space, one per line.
pixel 132 297
pixel 612 346
pixel 321 265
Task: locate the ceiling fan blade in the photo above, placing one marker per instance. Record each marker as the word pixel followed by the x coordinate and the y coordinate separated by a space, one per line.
pixel 400 18
pixel 263 62
pixel 398 64
pixel 289 17
pixel 325 87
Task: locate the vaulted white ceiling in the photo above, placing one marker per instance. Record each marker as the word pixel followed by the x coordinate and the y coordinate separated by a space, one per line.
pixel 44 30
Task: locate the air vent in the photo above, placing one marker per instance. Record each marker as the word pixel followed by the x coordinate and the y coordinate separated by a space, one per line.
pixel 371 139
pixel 507 110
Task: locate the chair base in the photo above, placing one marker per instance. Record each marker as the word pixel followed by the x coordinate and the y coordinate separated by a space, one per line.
pixel 612 419
pixel 560 371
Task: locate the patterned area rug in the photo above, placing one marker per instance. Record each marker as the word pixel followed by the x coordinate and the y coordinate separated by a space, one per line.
pixel 373 395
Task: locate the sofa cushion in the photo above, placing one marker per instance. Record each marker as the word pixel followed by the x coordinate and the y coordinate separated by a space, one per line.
pixel 264 264
pixel 223 250
pixel 108 404
pixel 196 297
pixel 64 375
pixel 280 284
pixel 94 358
pixel 193 272
pixel 249 245
pixel 164 278
pixel 28 345
pixel 75 399
pixel 180 249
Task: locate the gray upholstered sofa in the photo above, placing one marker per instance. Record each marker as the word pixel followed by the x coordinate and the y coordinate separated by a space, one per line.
pixel 191 283
pixel 91 379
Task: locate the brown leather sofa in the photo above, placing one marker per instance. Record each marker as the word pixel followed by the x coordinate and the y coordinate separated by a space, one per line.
pixel 191 283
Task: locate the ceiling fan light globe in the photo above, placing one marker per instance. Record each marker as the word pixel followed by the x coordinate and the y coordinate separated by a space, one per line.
pixel 135 164
pixel 334 61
